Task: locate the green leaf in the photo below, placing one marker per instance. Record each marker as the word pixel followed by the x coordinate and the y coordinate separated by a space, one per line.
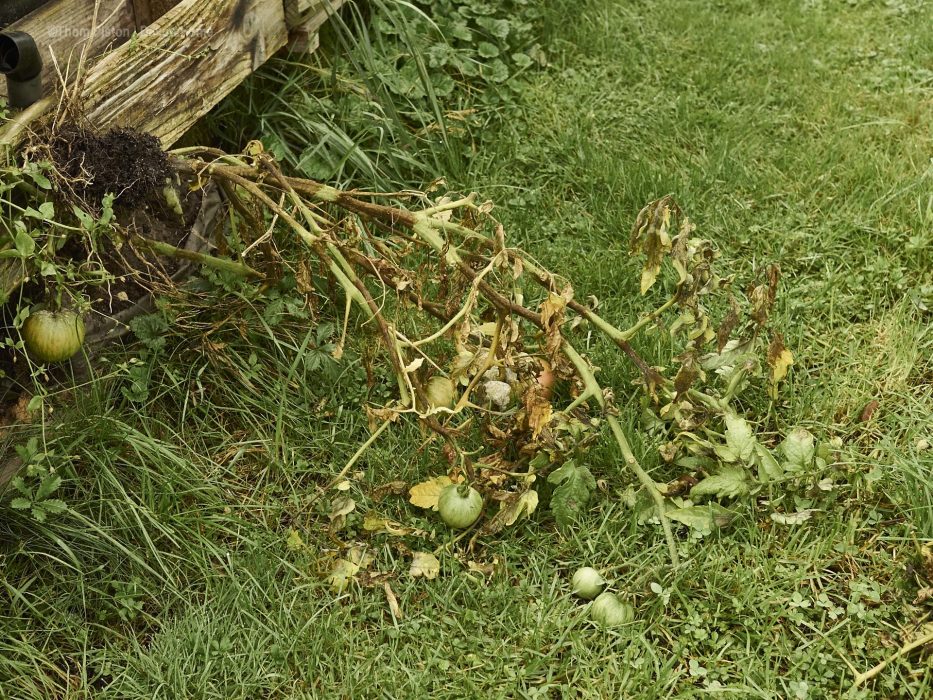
pixel 768 467
pixel 499 28
pixel 25 245
pixel 487 50
pixel 575 484
pixel 799 447
pixel 731 482
pixel 21 503
pixel 703 519
pixel 739 436
pixel 54 505
pixel 48 486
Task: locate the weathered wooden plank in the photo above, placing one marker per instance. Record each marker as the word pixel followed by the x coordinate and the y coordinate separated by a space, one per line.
pixel 299 12
pixel 183 64
pixel 148 11
pixel 62 29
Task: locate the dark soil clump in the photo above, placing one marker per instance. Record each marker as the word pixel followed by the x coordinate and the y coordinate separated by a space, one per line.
pixel 126 163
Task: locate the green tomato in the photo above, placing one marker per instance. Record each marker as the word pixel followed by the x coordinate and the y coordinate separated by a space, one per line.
pixel 441 392
pixel 608 611
pixel 53 336
pixel 460 505
pixel 587 583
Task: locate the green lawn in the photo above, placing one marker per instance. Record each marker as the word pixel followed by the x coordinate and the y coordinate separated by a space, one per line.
pixel 796 132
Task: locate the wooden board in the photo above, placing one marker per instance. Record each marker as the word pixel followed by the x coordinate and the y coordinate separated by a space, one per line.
pixel 148 11
pixel 305 18
pixel 183 64
pixel 62 29
pixel 302 12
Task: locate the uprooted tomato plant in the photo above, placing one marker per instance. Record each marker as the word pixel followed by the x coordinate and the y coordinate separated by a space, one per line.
pixel 483 343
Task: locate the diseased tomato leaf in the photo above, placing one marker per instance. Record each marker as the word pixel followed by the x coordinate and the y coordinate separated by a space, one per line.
pixel 574 486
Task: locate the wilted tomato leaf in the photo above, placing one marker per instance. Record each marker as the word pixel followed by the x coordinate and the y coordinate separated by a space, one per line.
pixel 425 494
pixel 779 359
pixel 393 602
pixel 373 522
pixel 341 506
pixel 345 569
pixel 523 505
pixel 424 564
pixel 650 236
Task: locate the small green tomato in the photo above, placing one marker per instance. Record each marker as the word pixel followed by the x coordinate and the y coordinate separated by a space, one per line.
pixel 587 583
pixel 53 336
pixel 441 392
pixel 460 505
pixel 608 611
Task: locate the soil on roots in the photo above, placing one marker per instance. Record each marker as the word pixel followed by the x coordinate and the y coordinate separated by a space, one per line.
pixel 129 164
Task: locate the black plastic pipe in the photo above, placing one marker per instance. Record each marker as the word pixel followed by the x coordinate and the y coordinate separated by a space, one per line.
pixel 21 63
pixel 12 10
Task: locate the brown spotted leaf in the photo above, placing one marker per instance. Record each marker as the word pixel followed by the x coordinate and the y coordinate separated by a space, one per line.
pixel 779 359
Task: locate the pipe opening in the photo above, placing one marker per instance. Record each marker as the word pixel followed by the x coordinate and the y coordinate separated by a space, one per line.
pixel 21 63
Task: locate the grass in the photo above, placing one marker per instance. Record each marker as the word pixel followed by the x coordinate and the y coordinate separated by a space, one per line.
pixel 791 132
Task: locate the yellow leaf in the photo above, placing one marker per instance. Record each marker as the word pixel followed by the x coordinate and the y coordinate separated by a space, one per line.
pixel 425 494
pixel 781 365
pixel 524 505
pixel 780 359
pixel 373 522
pixel 341 575
pixel 424 564
pixel 294 541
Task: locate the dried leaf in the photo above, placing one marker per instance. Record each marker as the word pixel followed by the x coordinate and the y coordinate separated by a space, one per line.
pixel 727 325
pixel 524 505
pixel 341 506
pixel 538 410
pixel 686 376
pixel 375 523
pixel 414 364
pixel 397 488
pixel 650 236
pixel 486 569
pixel 798 518
pixel 424 564
pixel 345 569
pixel 394 608
pixel 425 494
pixel 779 359
pixel 762 296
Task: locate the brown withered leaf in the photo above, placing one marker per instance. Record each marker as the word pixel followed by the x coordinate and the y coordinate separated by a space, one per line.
pixel 396 488
pixel 424 564
pixel 538 410
pixel 651 236
pixel 394 608
pixel 762 295
pixel 779 359
pixel 485 569
pixel 728 324
pixel 686 375
pixel 511 508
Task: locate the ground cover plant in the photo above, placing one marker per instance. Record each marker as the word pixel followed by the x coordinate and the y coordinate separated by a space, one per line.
pixel 175 537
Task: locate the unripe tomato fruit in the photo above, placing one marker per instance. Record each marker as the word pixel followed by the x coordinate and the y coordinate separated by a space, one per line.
pixel 53 336
pixel 460 505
